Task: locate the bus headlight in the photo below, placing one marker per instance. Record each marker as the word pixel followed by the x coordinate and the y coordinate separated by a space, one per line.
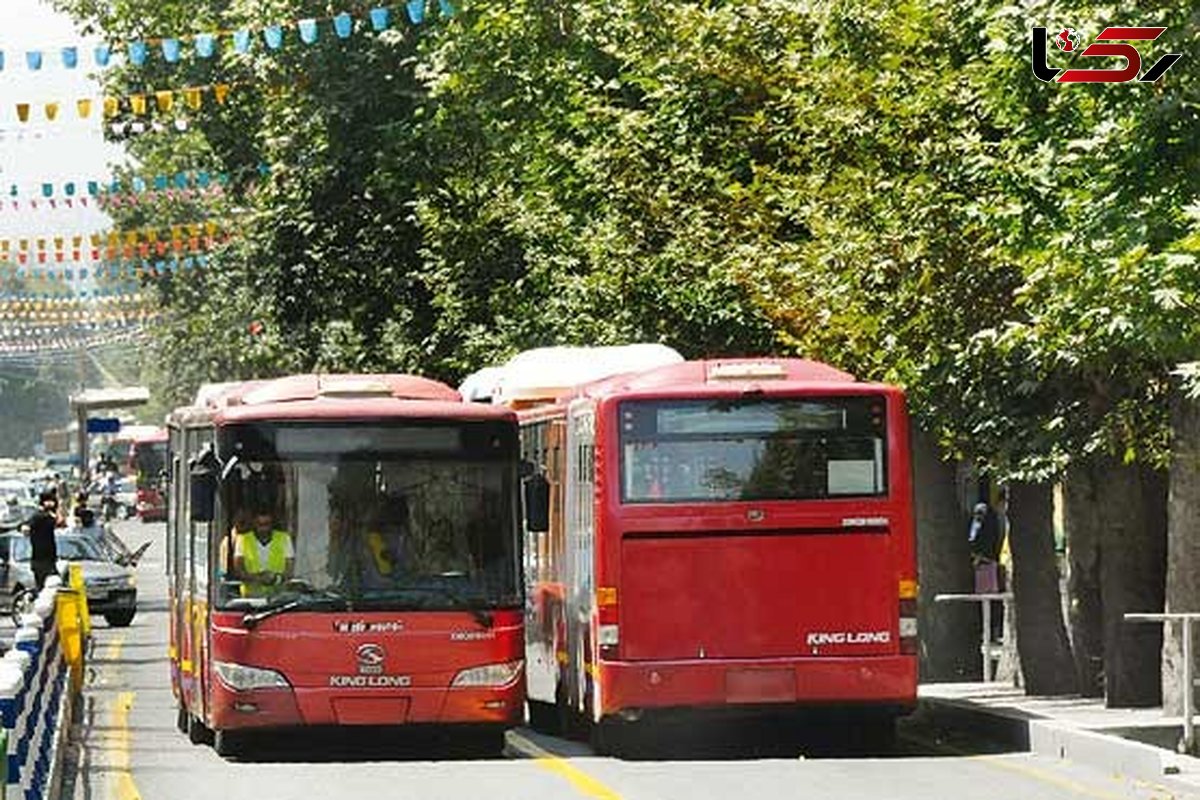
pixel 240 677
pixel 489 675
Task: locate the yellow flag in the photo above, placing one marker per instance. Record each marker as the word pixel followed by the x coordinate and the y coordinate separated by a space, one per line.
pixel 112 107
pixel 131 237
pixel 23 244
pixel 51 111
pixel 138 103
pixel 95 240
pixel 114 239
pixel 211 227
pixel 23 112
pixel 193 97
pixel 221 91
pixel 84 107
pixel 165 100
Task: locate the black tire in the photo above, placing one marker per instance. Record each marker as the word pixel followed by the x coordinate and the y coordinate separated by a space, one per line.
pixel 22 603
pixel 120 619
pixel 197 731
pixel 543 717
pixel 229 744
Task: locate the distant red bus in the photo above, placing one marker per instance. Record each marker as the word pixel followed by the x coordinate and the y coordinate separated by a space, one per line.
pixel 732 536
pixel 148 462
pixel 404 605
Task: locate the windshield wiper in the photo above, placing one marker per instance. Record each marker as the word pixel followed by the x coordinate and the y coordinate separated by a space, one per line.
pixel 315 599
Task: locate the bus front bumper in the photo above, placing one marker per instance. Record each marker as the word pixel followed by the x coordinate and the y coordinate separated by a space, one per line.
pixel 279 708
pixel 628 687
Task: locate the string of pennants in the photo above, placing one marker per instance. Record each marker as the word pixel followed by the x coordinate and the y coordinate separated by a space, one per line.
pixel 139 104
pixel 66 345
pixel 141 242
pixel 113 270
pixel 208 45
pixel 199 180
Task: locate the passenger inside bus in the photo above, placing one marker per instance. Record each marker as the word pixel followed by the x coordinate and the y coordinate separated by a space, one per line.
pixel 264 557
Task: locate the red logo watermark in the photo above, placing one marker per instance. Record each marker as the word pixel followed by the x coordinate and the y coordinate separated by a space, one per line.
pixel 1069 40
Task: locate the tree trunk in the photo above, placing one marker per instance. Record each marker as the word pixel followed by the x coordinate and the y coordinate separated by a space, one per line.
pixel 1082 521
pixel 1133 574
pixel 1042 643
pixel 949 631
pixel 1183 544
pixel 1117 535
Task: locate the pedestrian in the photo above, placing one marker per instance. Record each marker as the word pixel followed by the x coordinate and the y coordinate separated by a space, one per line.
pixel 43 551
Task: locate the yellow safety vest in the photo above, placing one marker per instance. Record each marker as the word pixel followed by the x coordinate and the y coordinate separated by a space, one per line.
pixel 276 560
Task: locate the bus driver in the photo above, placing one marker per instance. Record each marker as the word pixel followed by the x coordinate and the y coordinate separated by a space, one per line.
pixel 264 557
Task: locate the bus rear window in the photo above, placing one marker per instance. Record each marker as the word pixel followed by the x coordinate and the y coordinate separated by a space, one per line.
pixel 792 449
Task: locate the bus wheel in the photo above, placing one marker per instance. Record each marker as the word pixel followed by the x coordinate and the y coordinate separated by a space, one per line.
pixel 612 737
pixel 229 744
pixel 543 717
pixel 197 731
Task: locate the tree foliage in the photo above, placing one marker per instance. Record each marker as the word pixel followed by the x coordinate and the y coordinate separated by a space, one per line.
pixel 882 186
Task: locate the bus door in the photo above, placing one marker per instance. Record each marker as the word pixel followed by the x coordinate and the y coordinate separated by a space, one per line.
pixel 197 592
pixel 579 567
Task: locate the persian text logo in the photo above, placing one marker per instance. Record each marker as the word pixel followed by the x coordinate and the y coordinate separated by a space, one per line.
pixel 1068 40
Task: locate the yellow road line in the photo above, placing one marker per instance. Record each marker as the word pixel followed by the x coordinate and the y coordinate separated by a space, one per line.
pixel 586 784
pixel 124 787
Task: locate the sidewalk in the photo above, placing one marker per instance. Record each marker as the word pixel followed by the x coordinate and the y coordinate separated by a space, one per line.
pixel 1137 743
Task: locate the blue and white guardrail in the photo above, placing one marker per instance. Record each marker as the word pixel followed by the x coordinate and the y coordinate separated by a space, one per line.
pixel 35 701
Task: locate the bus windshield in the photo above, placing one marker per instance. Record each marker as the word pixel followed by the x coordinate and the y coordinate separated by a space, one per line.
pixel 753 449
pixel 149 460
pixel 377 517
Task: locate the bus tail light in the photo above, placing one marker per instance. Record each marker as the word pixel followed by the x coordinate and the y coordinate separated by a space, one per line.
pixel 489 675
pixel 241 678
pixel 608 635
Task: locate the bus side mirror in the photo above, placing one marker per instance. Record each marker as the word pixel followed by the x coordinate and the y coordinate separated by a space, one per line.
pixel 536 496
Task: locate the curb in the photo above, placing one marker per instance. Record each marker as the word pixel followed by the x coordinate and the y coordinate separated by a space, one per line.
pixel 1058 740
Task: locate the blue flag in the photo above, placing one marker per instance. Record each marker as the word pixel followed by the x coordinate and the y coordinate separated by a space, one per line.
pixel 343 24
pixel 137 53
pixel 241 40
pixel 273 36
pixel 33 59
pixel 70 57
pixel 308 30
pixel 416 11
pixel 205 45
pixel 170 48
pixel 380 18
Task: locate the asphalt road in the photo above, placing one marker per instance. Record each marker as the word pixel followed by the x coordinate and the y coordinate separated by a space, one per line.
pixel 129 748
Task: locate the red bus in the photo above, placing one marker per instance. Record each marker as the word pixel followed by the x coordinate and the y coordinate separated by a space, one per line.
pixel 403 602
pixel 148 462
pixel 731 536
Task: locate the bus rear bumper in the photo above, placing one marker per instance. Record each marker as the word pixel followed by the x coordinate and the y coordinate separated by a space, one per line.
pixel 880 681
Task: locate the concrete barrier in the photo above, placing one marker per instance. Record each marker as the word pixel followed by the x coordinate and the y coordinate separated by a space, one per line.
pixel 36 698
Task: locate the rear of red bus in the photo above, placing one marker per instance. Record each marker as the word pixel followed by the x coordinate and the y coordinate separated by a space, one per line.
pixel 404 603
pixel 754 545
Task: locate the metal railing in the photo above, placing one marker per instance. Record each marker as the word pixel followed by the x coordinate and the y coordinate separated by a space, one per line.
pixel 1187 744
pixel 987 648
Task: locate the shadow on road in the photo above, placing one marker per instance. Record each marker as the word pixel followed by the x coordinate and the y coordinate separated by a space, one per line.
pixel 916 736
pixel 359 745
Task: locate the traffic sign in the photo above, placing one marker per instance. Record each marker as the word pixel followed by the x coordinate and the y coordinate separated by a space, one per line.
pixel 103 425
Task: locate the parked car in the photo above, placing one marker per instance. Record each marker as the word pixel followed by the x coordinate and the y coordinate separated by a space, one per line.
pixel 109 577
